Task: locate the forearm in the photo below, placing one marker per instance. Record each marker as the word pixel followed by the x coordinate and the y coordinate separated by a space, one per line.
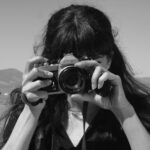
pixel 23 131
pixel 137 135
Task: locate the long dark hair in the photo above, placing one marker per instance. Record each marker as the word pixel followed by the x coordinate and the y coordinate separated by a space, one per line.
pixel 86 31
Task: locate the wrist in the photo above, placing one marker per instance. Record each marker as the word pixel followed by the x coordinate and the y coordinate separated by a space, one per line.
pixel 124 112
pixel 26 101
pixel 34 107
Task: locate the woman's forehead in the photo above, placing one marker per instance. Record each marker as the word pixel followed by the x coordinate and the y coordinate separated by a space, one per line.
pixel 84 57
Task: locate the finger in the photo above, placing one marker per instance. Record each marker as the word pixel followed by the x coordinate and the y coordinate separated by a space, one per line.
pixel 95 76
pixel 37 73
pixel 93 98
pixel 86 64
pixel 102 79
pixel 81 97
pixel 34 60
pixel 35 96
pixel 89 97
pixel 36 85
pixel 102 102
pixel 115 80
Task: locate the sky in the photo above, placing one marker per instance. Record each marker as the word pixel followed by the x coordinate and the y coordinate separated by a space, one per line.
pixel 22 23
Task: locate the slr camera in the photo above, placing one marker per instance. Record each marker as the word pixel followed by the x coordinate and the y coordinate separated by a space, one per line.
pixel 70 79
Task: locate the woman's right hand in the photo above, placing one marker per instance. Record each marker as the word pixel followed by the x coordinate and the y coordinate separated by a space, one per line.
pixel 31 85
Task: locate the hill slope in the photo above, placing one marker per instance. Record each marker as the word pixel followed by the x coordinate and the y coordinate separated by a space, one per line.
pixel 9 79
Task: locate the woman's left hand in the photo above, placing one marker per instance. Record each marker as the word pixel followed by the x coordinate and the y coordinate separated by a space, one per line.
pixel 117 99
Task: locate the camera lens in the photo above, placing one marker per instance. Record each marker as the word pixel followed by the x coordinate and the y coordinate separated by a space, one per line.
pixel 71 79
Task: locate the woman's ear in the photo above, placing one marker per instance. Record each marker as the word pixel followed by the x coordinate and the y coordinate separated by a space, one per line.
pixel 108 64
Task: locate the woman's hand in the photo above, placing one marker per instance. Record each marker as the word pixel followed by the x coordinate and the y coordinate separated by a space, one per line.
pixel 31 85
pixel 116 101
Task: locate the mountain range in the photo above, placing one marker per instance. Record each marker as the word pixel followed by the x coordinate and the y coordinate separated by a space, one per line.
pixel 9 80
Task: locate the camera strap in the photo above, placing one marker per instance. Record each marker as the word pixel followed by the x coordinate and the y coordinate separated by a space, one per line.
pixel 84 112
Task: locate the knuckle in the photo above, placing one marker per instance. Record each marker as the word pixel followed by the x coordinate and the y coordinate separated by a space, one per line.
pixel 35 70
pixel 23 89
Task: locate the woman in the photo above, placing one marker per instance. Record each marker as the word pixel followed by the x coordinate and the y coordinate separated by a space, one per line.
pixel 87 119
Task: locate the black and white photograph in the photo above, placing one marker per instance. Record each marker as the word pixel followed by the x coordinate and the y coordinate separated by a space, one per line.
pixel 74 75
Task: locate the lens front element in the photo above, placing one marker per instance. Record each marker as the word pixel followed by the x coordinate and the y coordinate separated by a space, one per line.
pixel 71 80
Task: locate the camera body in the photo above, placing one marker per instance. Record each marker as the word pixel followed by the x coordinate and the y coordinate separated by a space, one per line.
pixel 66 77
pixel 70 79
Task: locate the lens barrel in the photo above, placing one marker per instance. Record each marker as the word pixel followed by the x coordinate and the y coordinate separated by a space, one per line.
pixel 71 80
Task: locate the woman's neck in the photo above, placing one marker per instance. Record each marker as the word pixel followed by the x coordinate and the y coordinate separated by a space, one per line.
pixel 76 106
